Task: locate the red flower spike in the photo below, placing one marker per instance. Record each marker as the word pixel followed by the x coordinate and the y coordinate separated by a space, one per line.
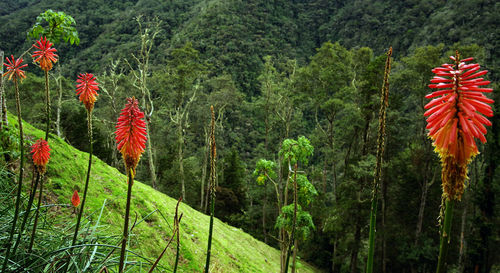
pixel 41 155
pixel 46 56
pixel 87 89
pixel 75 199
pixel 455 119
pixel 14 71
pixel 131 134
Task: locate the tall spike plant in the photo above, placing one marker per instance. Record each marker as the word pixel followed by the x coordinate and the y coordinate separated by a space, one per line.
pixel 15 73
pixel 86 88
pixel 41 156
pixel 131 142
pixel 213 154
pixel 45 57
pixel 384 103
pixel 455 118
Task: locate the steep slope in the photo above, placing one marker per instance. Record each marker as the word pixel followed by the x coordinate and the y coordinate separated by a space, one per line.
pixel 233 250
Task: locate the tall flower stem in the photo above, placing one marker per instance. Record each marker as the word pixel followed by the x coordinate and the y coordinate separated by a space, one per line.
pixel 80 213
pixel 47 99
pixel 37 213
pixel 445 236
pixel 28 210
pixel 125 227
pixel 20 182
pixel 213 153
pixel 384 102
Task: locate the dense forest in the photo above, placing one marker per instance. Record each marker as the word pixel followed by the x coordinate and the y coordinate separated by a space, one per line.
pixel 306 73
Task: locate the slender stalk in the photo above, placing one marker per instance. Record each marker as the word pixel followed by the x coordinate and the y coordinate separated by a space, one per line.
pixel 292 241
pixel 125 227
pixel 177 227
pixel 37 213
pixel 212 188
pixel 47 98
pixel 27 213
pixel 384 101
pixel 445 236
pixel 20 182
pixel 80 213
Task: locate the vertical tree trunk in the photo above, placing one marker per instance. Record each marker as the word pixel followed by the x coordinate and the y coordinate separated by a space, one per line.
pixel 59 104
pixel 150 155
pixel 264 212
pixel 355 250
pixel 295 248
pixel 181 159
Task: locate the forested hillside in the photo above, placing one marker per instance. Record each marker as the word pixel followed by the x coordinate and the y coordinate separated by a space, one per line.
pixel 278 70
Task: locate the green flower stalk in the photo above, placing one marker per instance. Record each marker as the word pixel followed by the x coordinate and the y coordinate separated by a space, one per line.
pixel 45 57
pixel 384 102
pixel 131 142
pixel 15 73
pixel 213 154
pixel 455 119
pixel 87 89
pixel 41 156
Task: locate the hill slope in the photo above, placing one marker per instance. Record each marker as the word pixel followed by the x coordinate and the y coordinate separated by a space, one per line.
pixel 233 250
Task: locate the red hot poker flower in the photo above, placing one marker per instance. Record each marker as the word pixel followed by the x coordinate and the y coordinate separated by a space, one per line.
pixel 41 155
pixel 455 119
pixel 131 134
pixel 46 55
pixel 75 199
pixel 14 70
pixel 87 89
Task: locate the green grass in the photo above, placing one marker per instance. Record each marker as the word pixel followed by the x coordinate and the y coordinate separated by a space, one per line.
pixel 233 250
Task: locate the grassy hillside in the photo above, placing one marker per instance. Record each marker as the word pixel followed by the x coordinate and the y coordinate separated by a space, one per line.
pixel 233 250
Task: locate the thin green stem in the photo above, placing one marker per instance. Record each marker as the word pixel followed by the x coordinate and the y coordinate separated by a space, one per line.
pixel 47 98
pixel 27 212
pixel 445 236
pixel 37 213
pixel 371 236
pixel 20 182
pixel 80 213
pixel 125 226
pixel 177 249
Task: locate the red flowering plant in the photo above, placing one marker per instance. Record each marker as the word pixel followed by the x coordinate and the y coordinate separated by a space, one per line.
pixel 14 72
pixel 87 88
pixel 455 119
pixel 75 199
pixel 46 55
pixel 131 142
pixel 14 68
pixel 41 155
pixel 131 134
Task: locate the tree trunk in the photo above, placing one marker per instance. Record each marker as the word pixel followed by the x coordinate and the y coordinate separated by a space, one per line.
pixel 264 212
pixel 423 199
pixel 152 171
pixel 355 250
pixel 59 104
pixel 181 159
pixel 295 247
